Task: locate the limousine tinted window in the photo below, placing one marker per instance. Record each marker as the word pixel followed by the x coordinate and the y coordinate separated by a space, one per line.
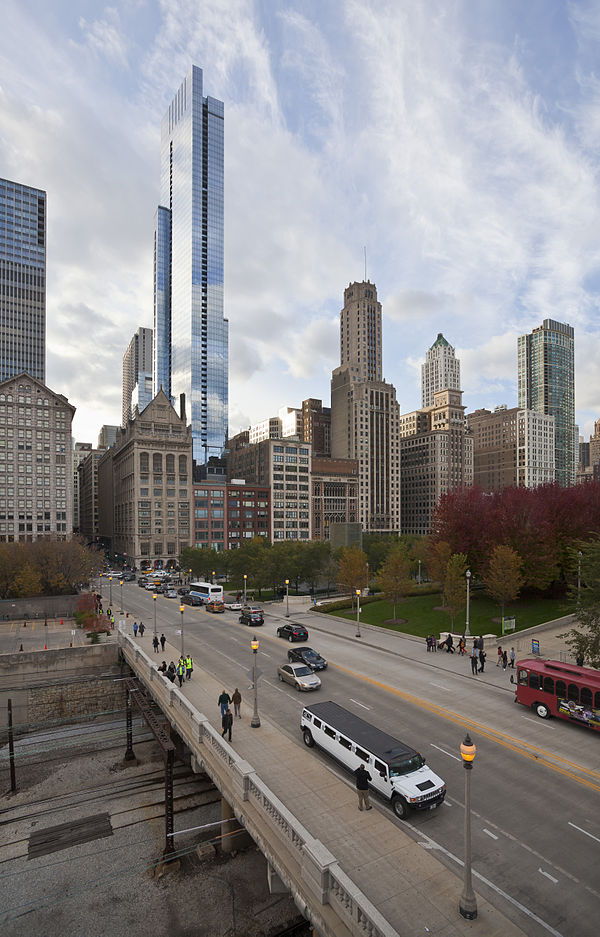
pixel 361 754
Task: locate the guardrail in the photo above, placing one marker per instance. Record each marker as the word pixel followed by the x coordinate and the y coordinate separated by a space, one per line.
pixel 314 875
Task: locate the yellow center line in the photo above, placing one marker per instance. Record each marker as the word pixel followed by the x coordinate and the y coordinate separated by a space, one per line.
pixel 526 749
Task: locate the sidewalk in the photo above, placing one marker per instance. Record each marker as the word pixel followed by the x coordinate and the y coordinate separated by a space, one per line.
pixel 414 891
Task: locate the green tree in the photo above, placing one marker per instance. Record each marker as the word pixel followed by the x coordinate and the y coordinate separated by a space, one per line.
pixel 455 585
pixel 27 581
pixel 585 640
pixel 394 576
pixel 503 578
pixel 438 554
pixel 352 570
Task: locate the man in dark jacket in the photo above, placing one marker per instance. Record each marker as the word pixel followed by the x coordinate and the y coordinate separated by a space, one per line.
pixel 227 722
pixel 362 787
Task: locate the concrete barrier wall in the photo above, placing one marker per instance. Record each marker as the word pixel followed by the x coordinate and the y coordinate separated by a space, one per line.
pixel 41 606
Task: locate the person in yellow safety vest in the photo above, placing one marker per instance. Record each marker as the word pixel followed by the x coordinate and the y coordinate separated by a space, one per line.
pixel 181 670
pixel 189 666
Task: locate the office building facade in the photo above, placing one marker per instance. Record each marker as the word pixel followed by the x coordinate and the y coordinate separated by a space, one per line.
pixel 334 495
pixel 365 413
pixel 546 375
pixel 137 374
pixel 36 475
pixel 511 448
pixel 22 281
pixel 441 370
pixel 228 513
pixel 190 333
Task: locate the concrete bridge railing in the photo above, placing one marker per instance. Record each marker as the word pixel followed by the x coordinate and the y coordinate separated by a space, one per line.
pixel 321 889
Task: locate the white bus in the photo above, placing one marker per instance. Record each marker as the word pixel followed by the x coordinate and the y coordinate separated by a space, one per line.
pixel 397 770
pixel 207 591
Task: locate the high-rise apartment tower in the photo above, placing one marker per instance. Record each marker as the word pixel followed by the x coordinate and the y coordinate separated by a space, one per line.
pixel 137 363
pixel 546 370
pixel 441 371
pixel 191 348
pixel 22 281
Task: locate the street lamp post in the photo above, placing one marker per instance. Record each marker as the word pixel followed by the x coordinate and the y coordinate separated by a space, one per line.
pixel 245 581
pixel 121 584
pixel 255 721
pixel 287 598
pixel 189 575
pixel 110 591
pixel 213 576
pixel 154 599
pixel 181 608
pixel 419 573
pixel 468 902
pixel 579 555
pixel 468 575
pixel 358 613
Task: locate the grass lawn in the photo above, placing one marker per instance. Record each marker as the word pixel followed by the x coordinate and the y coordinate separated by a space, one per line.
pixel 423 617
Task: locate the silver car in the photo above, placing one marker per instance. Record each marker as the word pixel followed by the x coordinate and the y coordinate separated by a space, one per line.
pixel 299 675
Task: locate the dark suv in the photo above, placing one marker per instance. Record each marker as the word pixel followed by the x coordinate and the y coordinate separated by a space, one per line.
pixel 306 655
pixel 191 600
pixel 252 615
pixel 293 632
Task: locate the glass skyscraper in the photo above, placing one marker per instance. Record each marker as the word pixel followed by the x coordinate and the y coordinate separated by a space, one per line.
pixel 22 281
pixel 546 371
pixel 191 347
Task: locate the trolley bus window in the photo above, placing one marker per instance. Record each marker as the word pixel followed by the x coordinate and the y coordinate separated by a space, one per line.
pixel 548 685
pixel 561 688
pixel 534 681
pixel 523 677
pixel 585 697
pixel 597 698
pixel 573 693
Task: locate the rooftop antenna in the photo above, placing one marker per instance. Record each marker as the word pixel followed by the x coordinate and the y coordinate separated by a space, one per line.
pixel 365 250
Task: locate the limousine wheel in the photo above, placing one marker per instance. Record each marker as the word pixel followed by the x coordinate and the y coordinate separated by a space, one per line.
pixel 308 739
pixel 542 710
pixel 400 807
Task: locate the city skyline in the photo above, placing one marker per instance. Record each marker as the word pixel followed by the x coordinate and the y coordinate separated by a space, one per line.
pixel 443 142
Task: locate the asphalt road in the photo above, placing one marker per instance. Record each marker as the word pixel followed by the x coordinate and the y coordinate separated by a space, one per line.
pixel 535 827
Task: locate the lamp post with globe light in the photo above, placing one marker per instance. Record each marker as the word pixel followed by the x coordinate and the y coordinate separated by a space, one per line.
pixel 154 602
pixel 287 598
pixel 468 575
pixel 255 721
pixel 468 902
pixel 358 613
pixel 181 608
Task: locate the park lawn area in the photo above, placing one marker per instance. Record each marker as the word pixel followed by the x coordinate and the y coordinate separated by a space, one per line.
pixel 424 617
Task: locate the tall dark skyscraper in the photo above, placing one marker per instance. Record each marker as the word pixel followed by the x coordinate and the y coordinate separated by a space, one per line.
pixel 546 369
pixel 191 347
pixel 22 281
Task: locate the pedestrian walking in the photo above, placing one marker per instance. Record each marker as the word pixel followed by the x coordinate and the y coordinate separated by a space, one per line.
pixel 181 671
pixel 504 660
pixel 512 658
pixel 474 659
pixel 189 666
pixel 142 628
pixel 163 641
pixel 224 701
pixel 226 723
pixel 482 656
pixel 499 661
pixel 462 646
pixel 112 622
pixel 155 644
pixel 236 699
pixel 135 629
pixel 449 644
pixel 362 787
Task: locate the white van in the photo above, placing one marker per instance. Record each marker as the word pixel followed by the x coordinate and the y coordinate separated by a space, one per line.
pixel 397 771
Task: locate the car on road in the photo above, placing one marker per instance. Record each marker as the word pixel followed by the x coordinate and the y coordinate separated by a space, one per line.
pixel 299 676
pixel 234 606
pixel 252 615
pixel 194 600
pixel 215 606
pixel 170 594
pixel 292 632
pixel 142 583
pixel 306 655
pixel 150 586
pixel 183 591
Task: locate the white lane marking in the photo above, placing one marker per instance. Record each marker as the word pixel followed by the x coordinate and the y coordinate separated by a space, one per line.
pixel 547 874
pixel 486 881
pixel 493 835
pixel 234 639
pixel 537 722
pixel 439 685
pixel 358 704
pixel 591 835
pixel 444 752
pixel 265 655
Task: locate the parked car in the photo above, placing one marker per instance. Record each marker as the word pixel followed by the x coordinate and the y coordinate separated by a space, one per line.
pixel 234 606
pixel 215 607
pixel 170 594
pixel 306 655
pixel 142 583
pixel 188 599
pixel 299 675
pixel 252 615
pixel 293 632
pixel 183 591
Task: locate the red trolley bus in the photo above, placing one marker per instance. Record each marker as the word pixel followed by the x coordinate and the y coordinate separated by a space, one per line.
pixel 567 691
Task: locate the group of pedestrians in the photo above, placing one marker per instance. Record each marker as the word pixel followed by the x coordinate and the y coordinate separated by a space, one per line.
pixel 181 671
pixel 226 715
pixel 156 642
pixel 503 658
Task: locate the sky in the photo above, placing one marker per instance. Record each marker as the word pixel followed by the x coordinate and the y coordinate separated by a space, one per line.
pixel 457 141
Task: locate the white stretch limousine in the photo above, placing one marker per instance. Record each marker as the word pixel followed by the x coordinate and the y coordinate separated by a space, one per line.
pixel 397 771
